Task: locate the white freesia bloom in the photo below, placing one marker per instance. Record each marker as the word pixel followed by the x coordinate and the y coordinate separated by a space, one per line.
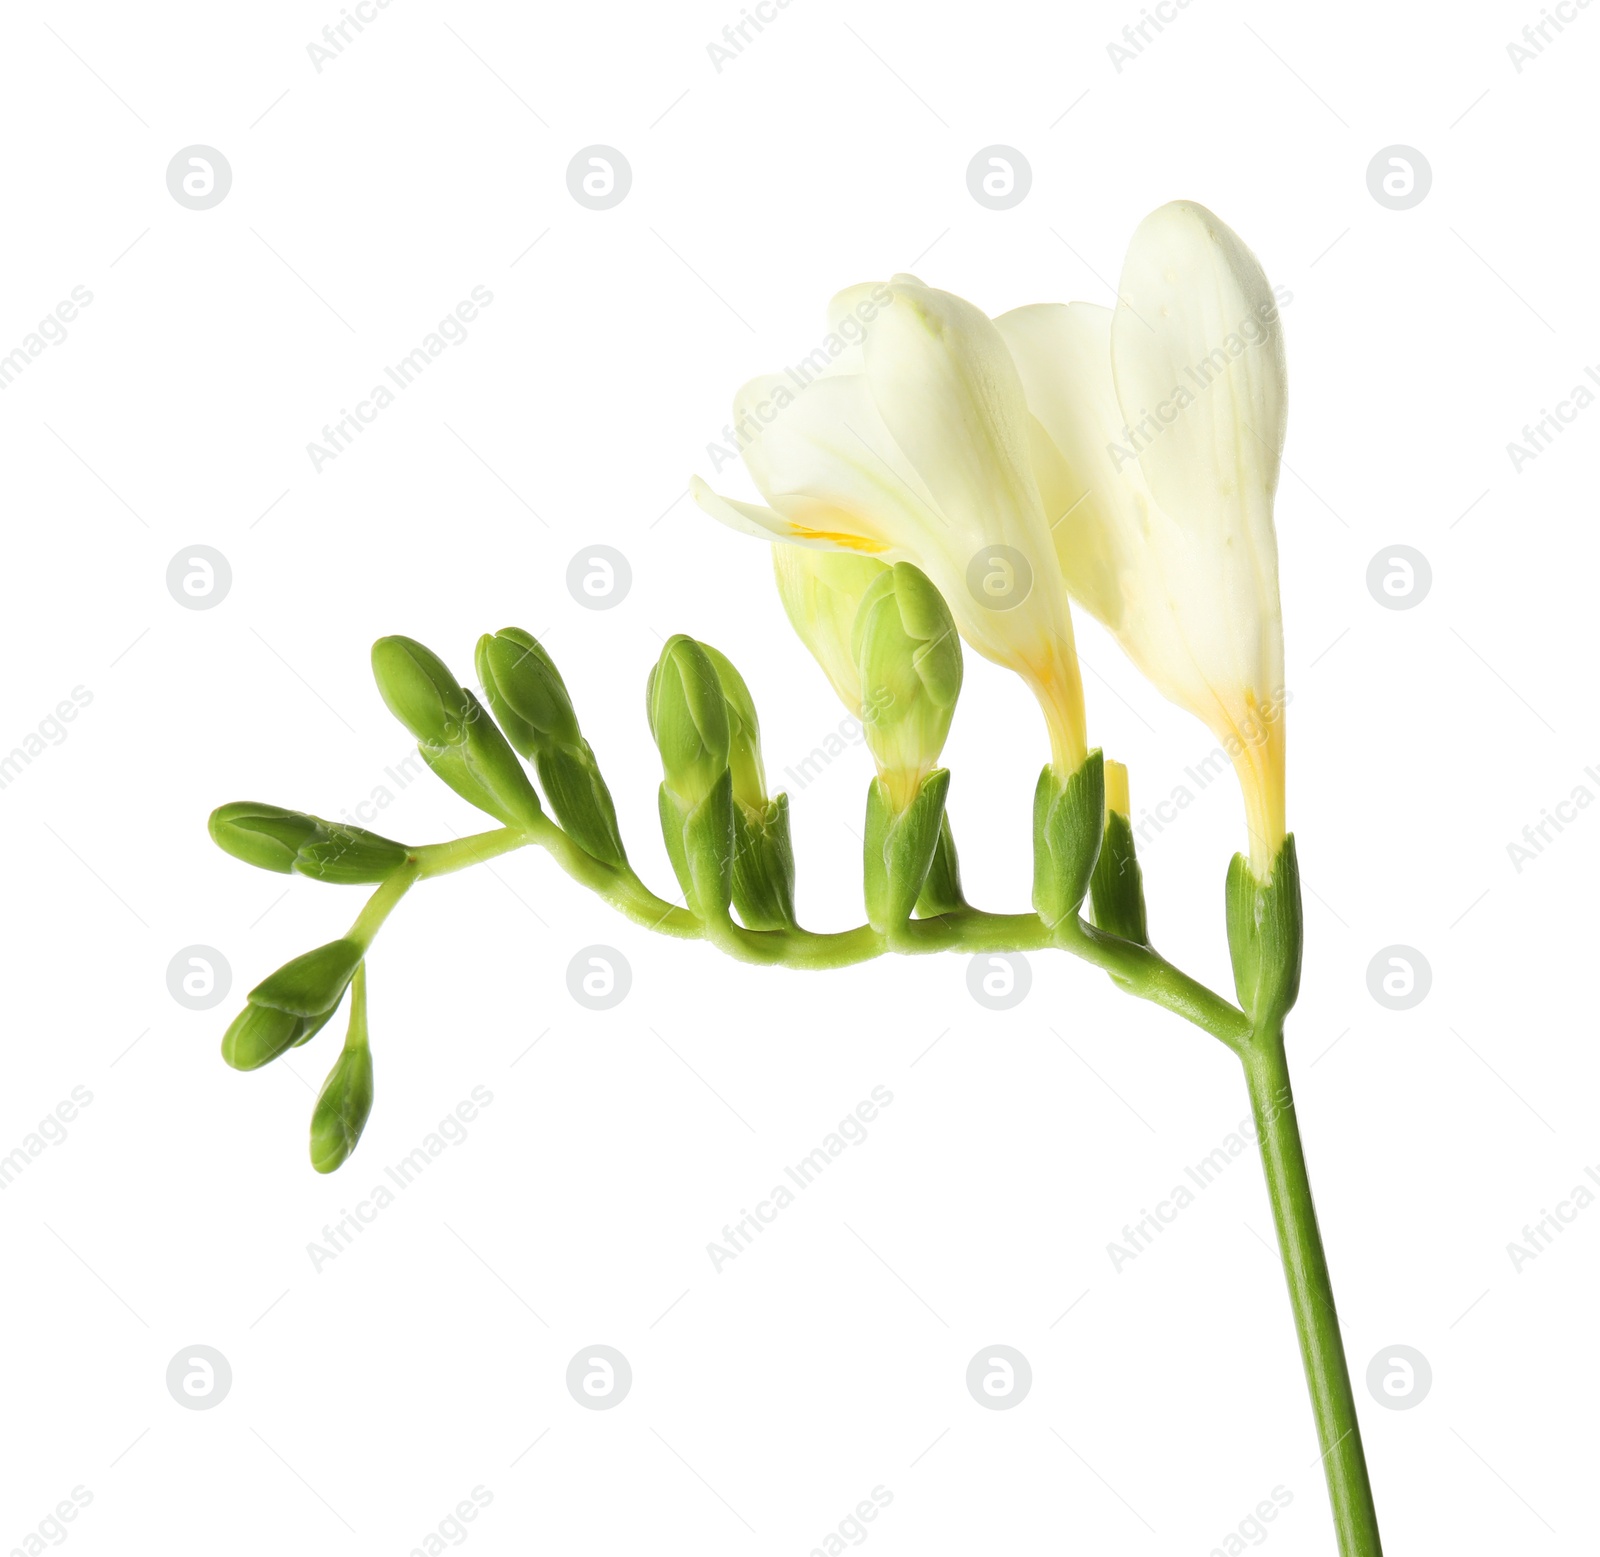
pixel 1160 426
pixel 913 446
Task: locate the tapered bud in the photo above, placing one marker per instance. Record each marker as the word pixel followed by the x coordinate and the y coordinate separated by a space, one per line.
pixel 689 719
pixel 272 838
pixel 345 1101
pixel 526 691
pixel 420 691
pixel 744 733
pixel 909 658
pixel 455 734
pixel 313 983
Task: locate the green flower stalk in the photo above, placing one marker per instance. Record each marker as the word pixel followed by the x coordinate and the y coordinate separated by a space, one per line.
pixel 957 473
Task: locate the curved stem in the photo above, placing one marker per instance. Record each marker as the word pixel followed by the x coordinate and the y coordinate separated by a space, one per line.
pixel 1305 1267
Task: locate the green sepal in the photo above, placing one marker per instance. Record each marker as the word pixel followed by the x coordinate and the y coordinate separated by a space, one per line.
pixel 1068 820
pixel 1117 885
pixel 763 865
pixel 1265 936
pixel 941 892
pixel 578 795
pixel 345 1101
pixel 699 842
pixel 899 849
pixel 313 983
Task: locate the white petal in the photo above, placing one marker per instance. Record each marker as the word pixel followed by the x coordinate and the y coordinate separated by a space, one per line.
pixel 1197 355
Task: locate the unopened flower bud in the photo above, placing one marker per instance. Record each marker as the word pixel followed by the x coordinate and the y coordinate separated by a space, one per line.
pixel 909 658
pixel 689 719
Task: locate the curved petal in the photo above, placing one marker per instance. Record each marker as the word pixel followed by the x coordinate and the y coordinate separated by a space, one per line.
pixel 1197 355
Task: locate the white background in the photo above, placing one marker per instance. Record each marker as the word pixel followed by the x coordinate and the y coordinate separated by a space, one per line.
pixel 368 199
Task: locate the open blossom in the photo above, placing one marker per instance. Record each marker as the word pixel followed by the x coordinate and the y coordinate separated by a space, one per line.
pixel 1162 427
pixel 913 447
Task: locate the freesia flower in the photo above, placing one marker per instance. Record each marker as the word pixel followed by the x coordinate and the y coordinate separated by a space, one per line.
pixel 1161 425
pixel 913 447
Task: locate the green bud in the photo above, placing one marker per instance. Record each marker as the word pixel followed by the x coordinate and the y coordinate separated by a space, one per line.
pixel 763 865
pixel 1068 823
pixel 1117 886
pixel 689 719
pixel 909 658
pixel 313 983
pixel 420 691
pixel 744 732
pixel 267 837
pixel 530 700
pixel 454 732
pixel 275 839
pixel 259 1034
pixel 345 1101
pixel 526 691
pixel 821 593
pixel 900 843
pixel 1265 933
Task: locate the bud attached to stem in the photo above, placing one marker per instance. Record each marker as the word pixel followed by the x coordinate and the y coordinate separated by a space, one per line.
pixel 1117 885
pixel 1068 821
pixel 345 1101
pixel 454 732
pixel 291 1006
pixel 763 855
pixel 530 700
pixel 272 838
pixel 1265 933
pixel 689 721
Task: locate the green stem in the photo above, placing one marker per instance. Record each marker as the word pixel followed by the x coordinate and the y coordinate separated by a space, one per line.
pixel 382 902
pixel 1305 1267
